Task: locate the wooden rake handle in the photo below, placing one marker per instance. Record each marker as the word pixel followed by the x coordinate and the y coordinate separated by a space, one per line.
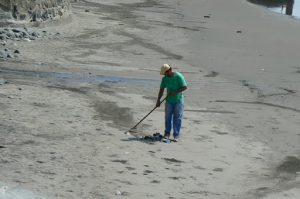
pixel 146 116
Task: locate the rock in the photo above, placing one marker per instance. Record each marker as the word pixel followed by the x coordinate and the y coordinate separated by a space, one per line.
pixel 3 81
pixel 9 55
pixel 118 193
pixel 17 51
pixel 3 54
pixel 17 30
pixel 34 34
pixel 3 43
pixel 18 35
pixel 2 37
pixel 22 16
pixel 10 34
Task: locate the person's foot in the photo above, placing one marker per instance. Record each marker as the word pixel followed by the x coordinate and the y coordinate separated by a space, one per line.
pixel 165 139
pixel 175 139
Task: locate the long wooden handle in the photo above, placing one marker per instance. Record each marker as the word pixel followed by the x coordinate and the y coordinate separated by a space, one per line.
pixel 147 115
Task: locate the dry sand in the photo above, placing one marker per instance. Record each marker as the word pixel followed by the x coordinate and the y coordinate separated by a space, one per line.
pixel 68 101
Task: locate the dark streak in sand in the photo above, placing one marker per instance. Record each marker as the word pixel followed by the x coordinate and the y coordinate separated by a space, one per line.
pixel 212 74
pixel 147 172
pixel 291 165
pixel 130 168
pixel 125 13
pixel 211 111
pixel 120 161
pixel 173 160
pixel 108 110
pixel 262 103
pixel 176 178
pixel 219 132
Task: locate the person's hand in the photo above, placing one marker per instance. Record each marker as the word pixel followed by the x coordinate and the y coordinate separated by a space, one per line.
pixel 158 104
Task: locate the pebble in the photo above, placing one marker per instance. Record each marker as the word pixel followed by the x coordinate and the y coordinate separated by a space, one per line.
pixel 3 54
pixel 22 34
pixel 118 193
pixel 9 55
pixel 3 43
pixel 3 81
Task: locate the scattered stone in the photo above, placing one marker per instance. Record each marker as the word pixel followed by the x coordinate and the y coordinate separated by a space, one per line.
pixel 3 43
pixel 24 34
pixel 3 54
pixel 10 55
pixel 3 81
pixel 118 193
pixel 2 37
pixel 239 31
pixel 20 34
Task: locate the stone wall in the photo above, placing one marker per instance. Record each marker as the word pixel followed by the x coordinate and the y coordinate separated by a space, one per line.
pixel 35 10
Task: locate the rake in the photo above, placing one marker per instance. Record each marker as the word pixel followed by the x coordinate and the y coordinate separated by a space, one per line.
pixel 134 127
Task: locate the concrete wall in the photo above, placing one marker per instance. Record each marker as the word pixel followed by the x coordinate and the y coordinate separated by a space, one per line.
pixel 36 10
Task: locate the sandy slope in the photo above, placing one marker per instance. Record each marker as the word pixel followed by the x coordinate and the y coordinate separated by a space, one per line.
pixel 69 100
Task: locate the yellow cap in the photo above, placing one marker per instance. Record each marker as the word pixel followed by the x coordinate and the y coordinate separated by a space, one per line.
pixel 164 69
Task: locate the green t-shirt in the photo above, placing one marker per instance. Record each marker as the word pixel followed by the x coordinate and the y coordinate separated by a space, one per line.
pixel 173 84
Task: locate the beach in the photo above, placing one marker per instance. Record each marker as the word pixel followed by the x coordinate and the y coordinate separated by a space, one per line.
pixel 69 97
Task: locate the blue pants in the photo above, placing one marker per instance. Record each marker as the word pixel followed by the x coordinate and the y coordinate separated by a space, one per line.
pixel 173 115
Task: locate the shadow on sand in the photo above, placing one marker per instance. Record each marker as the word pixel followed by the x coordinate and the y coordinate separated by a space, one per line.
pixel 156 137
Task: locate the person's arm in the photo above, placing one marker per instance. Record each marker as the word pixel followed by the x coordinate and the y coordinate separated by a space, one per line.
pixel 160 94
pixel 178 91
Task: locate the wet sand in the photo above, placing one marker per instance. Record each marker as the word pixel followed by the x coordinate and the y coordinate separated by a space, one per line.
pixel 66 103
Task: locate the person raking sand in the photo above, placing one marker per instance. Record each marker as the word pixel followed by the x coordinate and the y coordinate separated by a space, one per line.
pixel 175 84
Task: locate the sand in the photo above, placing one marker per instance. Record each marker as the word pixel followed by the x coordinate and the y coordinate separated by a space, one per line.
pixel 67 101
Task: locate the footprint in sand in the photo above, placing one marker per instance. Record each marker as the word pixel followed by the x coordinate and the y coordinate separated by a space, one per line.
pixel 155 181
pixel 218 169
pixel 212 74
pixel 219 132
